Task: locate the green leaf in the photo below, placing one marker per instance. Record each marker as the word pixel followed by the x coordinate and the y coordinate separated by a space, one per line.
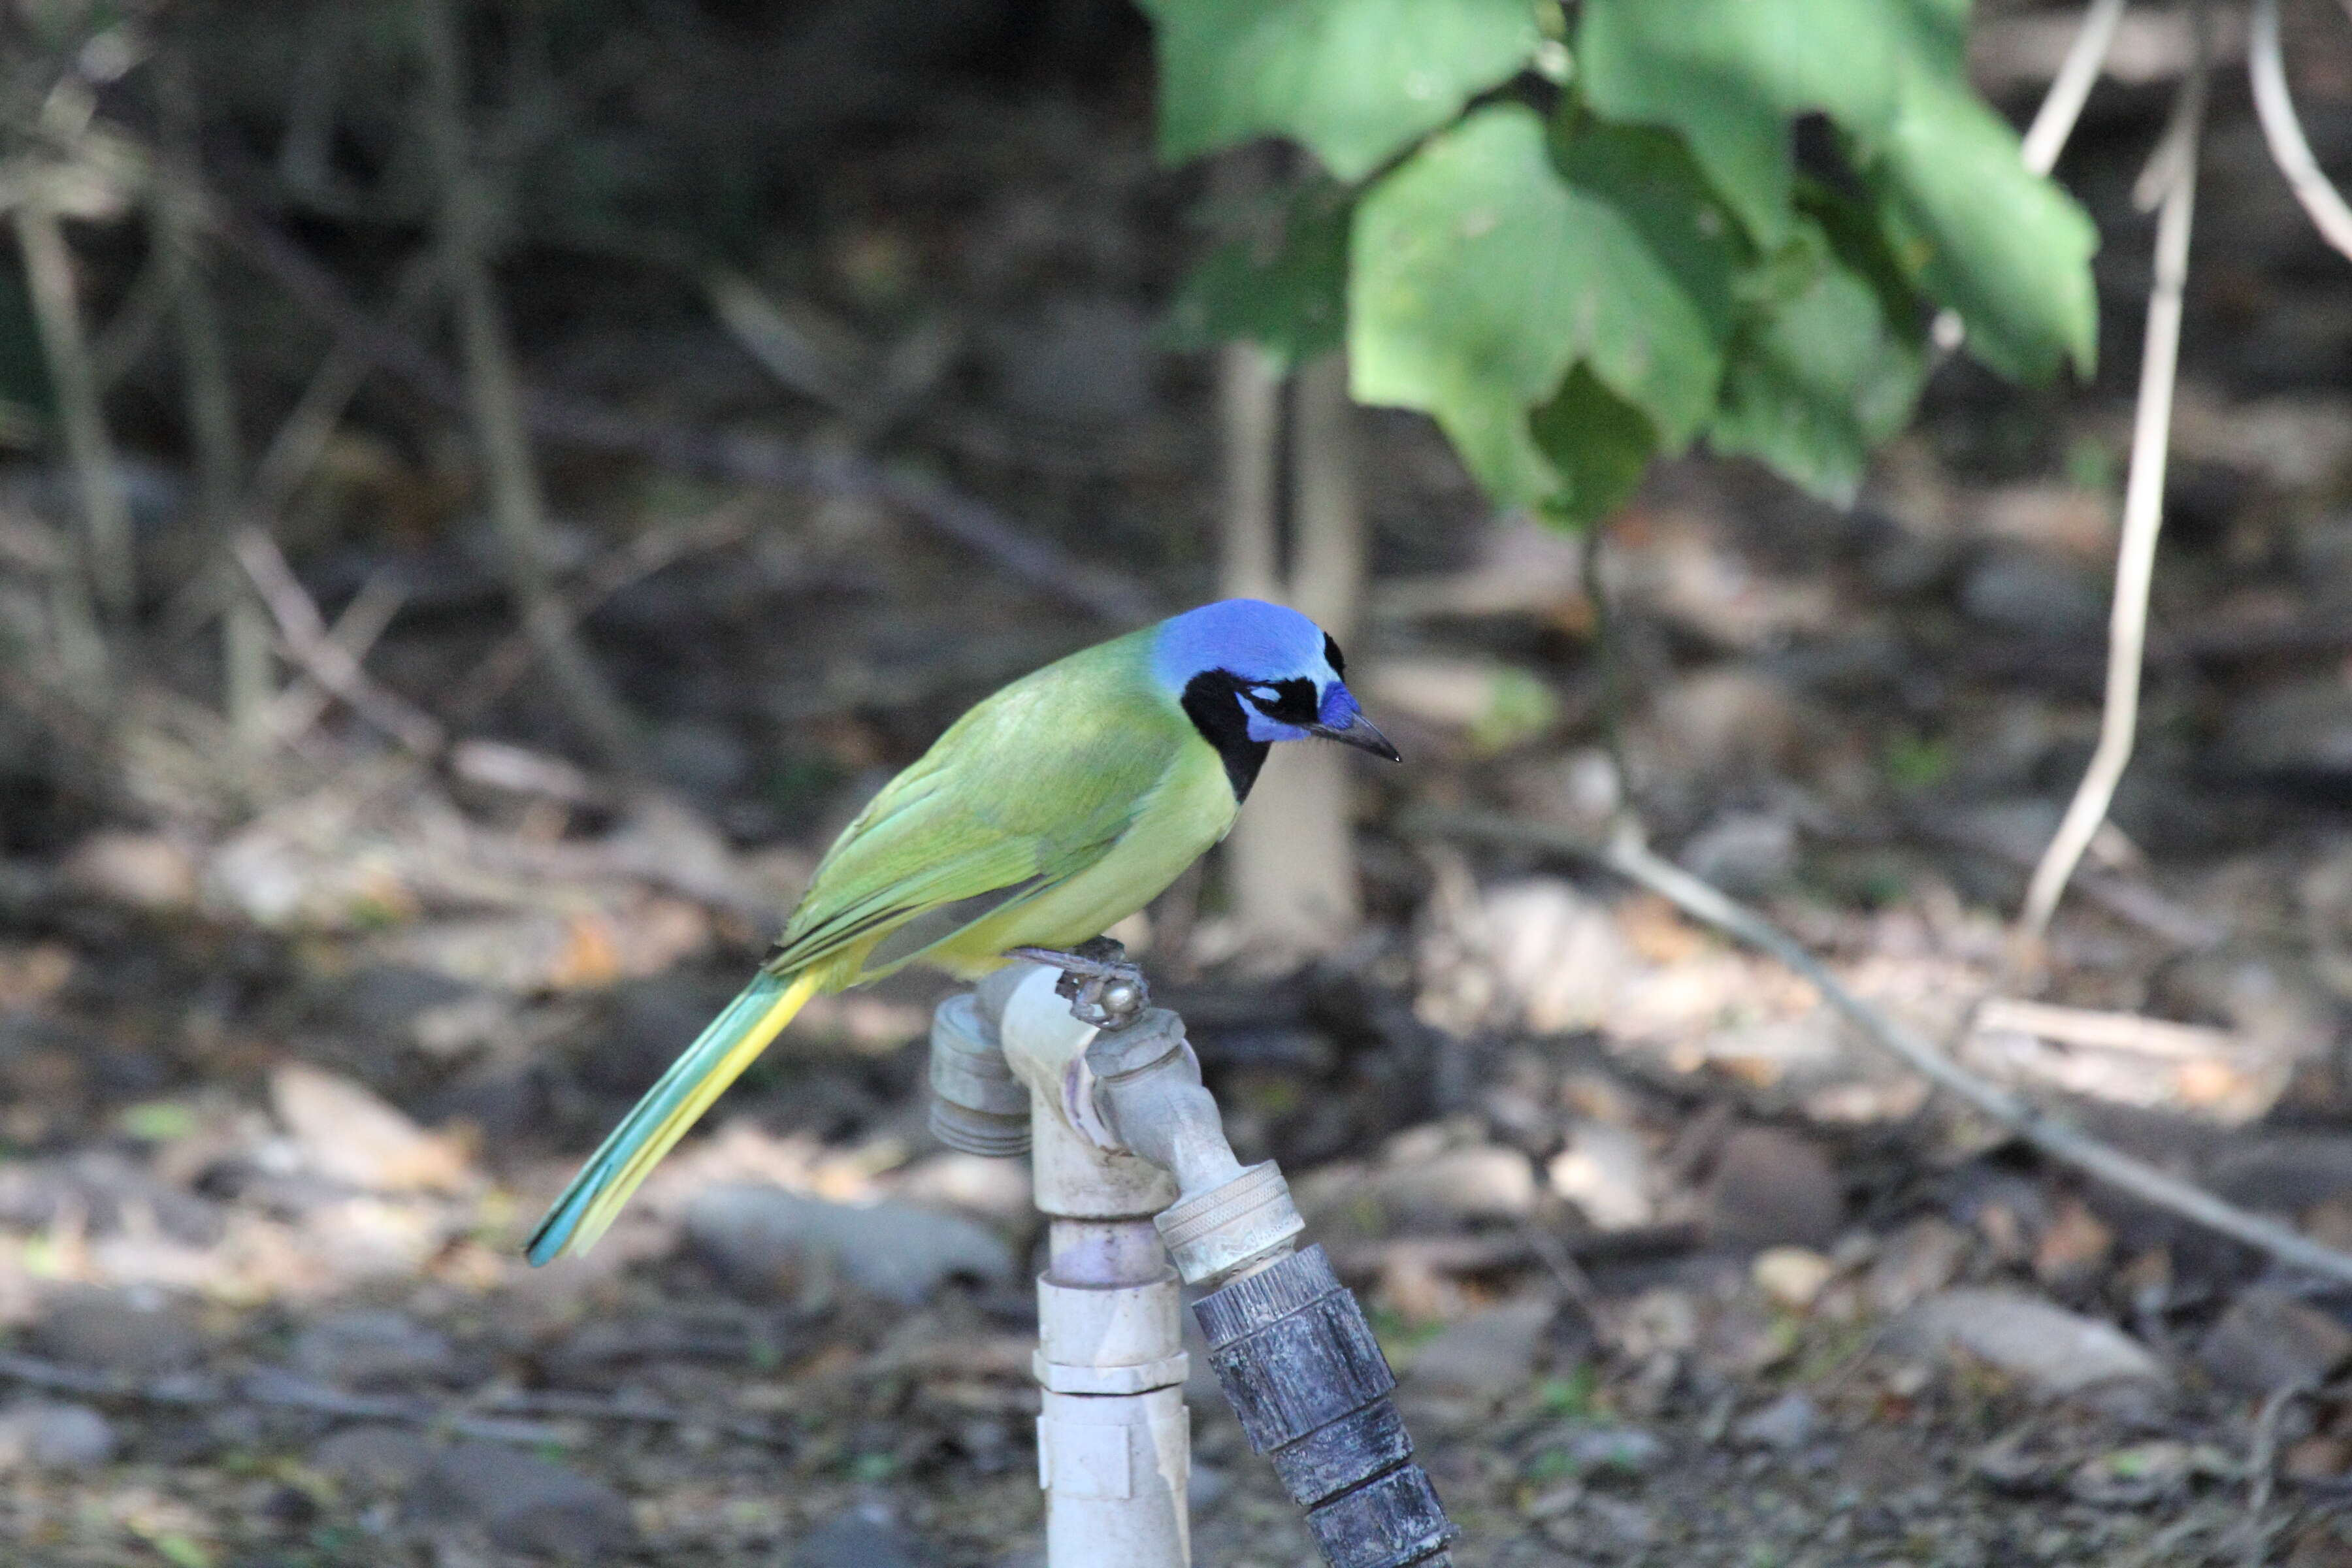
pixel 1355 81
pixel 1730 74
pixel 1283 287
pixel 2007 249
pixel 1822 379
pixel 1601 445
pixel 1478 275
pixel 1650 177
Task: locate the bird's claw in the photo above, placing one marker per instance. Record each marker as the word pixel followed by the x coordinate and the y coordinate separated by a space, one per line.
pixel 1102 987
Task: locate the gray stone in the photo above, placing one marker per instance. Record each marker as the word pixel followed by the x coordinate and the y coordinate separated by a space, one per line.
pixel 525 1503
pixel 2268 1341
pixel 51 1436
pixel 2055 1351
pixel 856 1539
pixel 754 1234
pixel 369 1348
pixel 1626 1524
pixel 1486 1353
pixel 1743 852
pixel 1556 951
pixel 1785 1424
pixel 2300 730
pixel 374 1459
pixel 1454 1185
pixel 1773 1188
pixel 2283 1172
pixel 2027 592
pixel 1605 1172
pixel 138 1332
pixel 1626 1450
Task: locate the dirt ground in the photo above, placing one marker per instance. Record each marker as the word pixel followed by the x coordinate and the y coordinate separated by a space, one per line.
pixel 1673 1266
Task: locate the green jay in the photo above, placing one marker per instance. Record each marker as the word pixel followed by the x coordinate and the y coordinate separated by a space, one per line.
pixel 1048 813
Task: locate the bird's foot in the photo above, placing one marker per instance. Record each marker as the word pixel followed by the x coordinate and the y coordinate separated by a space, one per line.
pixel 1102 987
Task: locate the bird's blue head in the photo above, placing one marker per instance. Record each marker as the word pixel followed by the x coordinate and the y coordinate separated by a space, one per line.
pixel 1250 673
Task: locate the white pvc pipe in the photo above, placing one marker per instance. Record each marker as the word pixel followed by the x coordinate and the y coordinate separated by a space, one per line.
pixel 1114 1439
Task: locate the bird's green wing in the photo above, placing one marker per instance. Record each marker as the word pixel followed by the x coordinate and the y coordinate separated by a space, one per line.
pixel 1028 788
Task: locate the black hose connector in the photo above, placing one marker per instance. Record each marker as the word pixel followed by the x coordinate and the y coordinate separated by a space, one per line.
pixel 1302 1370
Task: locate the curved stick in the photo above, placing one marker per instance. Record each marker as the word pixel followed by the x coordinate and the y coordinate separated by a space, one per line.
pixel 2289 149
pixel 2054 122
pixel 1629 858
pixel 2174 166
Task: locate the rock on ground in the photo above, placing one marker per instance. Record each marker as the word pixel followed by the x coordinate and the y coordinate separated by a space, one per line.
pixel 2268 1341
pixel 45 1435
pixel 1771 1187
pixel 136 1333
pixel 374 1457
pixel 2054 1350
pixel 367 1348
pixel 525 1503
pixel 754 1234
pixel 1489 1353
pixel 854 1541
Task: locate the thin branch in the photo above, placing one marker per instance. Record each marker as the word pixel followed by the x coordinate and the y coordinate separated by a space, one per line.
pixel 1629 858
pixel 210 394
pixel 1100 591
pixel 327 660
pixel 2054 122
pixel 302 436
pixel 646 553
pixel 2175 166
pixel 57 312
pixel 495 404
pixel 289 714
pixel 2274 106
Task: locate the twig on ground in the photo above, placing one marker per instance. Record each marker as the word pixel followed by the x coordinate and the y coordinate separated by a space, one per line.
pixel 56 313
pixel 2098 1030
pixel 2134 901
pixel 2171 177
pixel 307 641
pixel 1098 590
pixel 1511 1250
pixel 2262 1468
pixel 2274 106
pixel 1629 858
pixel 494 404
pixel 2054 122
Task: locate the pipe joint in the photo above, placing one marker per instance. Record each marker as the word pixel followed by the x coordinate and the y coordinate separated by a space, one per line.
pixel 977 1105
pixel 1149 1095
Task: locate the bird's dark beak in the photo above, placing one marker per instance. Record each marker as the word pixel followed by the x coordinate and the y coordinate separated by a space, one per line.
pixel 1359 732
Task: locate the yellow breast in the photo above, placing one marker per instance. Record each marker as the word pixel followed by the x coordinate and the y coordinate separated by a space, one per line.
pixel 1191 809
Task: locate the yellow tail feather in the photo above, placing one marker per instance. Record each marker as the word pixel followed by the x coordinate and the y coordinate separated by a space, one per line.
pixel 608 1186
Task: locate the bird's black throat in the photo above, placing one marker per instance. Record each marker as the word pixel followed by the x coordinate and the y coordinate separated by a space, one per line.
pixel 1213 700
